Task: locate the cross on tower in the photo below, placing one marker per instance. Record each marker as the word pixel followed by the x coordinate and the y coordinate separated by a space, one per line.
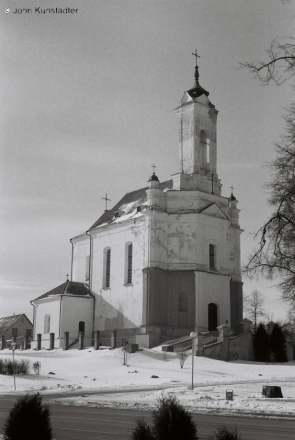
pixel 232 189
pixel 153 166
pixel 106 199
pixel 67 277
pixel 196 55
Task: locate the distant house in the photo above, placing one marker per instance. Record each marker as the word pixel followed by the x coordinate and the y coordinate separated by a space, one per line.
pixel 15 328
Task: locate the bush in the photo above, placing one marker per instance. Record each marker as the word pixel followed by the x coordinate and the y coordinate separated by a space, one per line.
pixel 278 344
pixel 171 421
pixel 182 355
pixel 261 345
pixel 28 419
pixel 37 367
pixel 20 367
pixel 223 432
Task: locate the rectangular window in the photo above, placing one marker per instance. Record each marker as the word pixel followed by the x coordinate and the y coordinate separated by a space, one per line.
pixel 87 268
pixel 108 268
pixel 46 323
pixel 211 256
pixel 129 269
pixel 14 332
pixel 29 332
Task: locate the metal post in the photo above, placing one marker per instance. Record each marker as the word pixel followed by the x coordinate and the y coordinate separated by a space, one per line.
pixel 13 344
pixel 193 335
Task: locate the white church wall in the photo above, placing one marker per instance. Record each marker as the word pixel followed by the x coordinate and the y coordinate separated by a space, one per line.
pixel 51 307
pixel 74 310
pixel 81 250
pixel 212 288
pixel 120 304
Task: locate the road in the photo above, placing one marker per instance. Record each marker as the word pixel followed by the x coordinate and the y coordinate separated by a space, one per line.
pixel 76 423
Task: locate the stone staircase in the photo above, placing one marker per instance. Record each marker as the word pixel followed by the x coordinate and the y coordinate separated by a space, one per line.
pixel 74 344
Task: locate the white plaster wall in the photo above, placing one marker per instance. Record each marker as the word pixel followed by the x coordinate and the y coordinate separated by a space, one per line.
pixel 81 250
pixel 73 310
pixel 181 241
pixel 46 306
pixel 120 305
pixel 212 288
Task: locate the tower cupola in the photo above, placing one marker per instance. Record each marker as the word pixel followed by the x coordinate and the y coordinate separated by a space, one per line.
pixel 197 118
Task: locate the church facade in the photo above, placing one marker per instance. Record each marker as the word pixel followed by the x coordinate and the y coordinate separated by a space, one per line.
pixel 165 260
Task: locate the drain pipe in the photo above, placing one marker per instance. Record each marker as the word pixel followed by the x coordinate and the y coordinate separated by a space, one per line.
pixel 90 279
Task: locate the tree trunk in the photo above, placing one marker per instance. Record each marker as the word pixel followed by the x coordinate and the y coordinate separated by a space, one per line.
pixel 271 391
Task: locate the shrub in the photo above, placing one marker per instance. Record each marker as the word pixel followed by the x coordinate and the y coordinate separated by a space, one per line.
pixel 142 431
pixel 261 345
pixel 37 367
pixel 182 355
pixel 223 432
pixel 28 419
pixel 20 367
pixel 171 421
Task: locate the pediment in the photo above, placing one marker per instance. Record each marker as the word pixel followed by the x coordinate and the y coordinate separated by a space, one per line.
pixel 213 210
pixel 203 100
pixel 186 98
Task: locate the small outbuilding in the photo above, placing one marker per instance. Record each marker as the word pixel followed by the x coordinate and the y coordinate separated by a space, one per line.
pixel 67 308
pixel 15 328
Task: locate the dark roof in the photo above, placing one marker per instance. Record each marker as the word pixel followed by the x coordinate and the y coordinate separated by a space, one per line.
pixel 8 321
pixel 68 288
pixel 197 91
pixel 137 197
pixel 232 197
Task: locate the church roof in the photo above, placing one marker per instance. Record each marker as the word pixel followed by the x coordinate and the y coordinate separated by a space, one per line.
pixel 68 288
pixel 129 203
pixel 8 321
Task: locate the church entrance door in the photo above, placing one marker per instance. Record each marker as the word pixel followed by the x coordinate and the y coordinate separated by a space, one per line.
pixel 82 326
pixel 212 317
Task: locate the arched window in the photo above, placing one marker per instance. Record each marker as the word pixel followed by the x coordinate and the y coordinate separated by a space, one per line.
pixel 81 326
pixel 46 323
pixel 212 317
pixel 129 264
pixel 108 268
pixel 212 257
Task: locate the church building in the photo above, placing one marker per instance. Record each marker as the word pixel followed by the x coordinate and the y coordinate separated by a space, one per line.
pixel 165 260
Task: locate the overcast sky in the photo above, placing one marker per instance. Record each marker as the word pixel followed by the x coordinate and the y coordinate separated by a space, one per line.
pixel 88 105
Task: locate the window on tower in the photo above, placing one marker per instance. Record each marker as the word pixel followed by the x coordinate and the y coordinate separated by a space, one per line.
pixel 208 150
pixel 205 149
pixel 212 257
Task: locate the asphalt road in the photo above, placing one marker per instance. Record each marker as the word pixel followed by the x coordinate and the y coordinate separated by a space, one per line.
pixel 86 423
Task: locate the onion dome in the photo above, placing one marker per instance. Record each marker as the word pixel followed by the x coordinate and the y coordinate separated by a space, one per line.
pixel 153 178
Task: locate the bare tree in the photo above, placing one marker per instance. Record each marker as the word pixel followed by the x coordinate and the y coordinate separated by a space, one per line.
pixel 276 250
pixel 279 66
pixel 253 306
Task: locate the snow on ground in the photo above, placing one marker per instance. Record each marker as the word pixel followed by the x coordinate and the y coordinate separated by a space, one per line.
pixel 99 378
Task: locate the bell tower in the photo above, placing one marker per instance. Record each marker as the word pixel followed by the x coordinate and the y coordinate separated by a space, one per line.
pixel 197 119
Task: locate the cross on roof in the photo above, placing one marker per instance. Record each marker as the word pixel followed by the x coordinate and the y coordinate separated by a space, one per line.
pixel 232 189
pixel 153 166
pixel 106 199
pixel 67 277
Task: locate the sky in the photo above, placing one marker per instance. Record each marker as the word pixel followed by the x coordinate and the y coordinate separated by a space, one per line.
pixel 87 106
